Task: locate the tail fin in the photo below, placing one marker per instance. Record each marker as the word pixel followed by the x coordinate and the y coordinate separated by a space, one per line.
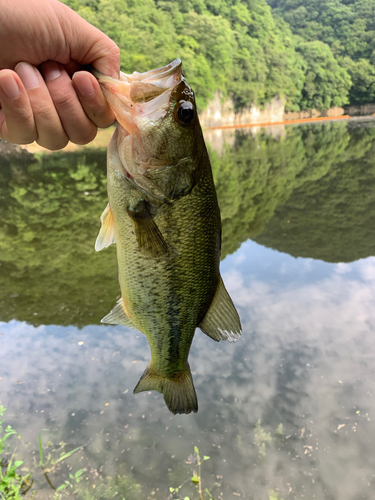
pixel 179 392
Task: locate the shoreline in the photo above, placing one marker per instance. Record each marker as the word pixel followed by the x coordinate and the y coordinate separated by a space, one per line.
pixel 104 135
pixel 291 122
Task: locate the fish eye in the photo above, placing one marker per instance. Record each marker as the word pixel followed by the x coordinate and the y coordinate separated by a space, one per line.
pixel 184 112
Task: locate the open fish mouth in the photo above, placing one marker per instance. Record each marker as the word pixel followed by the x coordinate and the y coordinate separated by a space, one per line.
pixel 159 75
pixel 145 94
pixel 154 110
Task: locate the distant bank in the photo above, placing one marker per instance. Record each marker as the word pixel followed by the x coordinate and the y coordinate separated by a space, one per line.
pixel 221 114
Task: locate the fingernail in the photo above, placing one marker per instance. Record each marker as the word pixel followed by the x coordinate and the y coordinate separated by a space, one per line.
pixel 51 71
pixel 28 75
pixel 9 85
pixel 84 86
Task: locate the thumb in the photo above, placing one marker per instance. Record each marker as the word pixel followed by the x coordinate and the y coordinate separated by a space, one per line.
pixel 89 45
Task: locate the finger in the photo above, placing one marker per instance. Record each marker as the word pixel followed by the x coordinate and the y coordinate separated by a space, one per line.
pixel 105 57
pixel 92 99
pixel 51 134
pixel 77 125
pixel 72 67
pixel 89 45
pixel 16 116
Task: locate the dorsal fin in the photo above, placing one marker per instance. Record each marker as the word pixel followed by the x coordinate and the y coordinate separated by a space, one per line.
pixel 106 234
pixel 118 316
pixel 221 321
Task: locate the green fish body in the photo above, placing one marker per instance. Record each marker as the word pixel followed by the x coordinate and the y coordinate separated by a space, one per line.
pixel 164 217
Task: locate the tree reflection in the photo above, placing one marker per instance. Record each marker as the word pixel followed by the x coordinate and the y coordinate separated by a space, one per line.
pixel 310 193
pixel 50 209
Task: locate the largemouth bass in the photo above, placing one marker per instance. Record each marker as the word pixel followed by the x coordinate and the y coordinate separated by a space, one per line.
pixel 164 217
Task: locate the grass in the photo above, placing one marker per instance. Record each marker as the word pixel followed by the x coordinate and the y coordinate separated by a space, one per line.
pixel 15 486
pixel 12 484
pixel 196 479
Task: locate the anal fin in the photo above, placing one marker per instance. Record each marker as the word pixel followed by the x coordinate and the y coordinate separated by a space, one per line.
pixel 221 321
pixel 106 234
pixel 149 238
pixel 179 392
pixel 118 316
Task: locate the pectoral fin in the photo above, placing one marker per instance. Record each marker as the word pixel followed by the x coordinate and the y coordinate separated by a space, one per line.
pixel 118 316
pixel 221 321
pixel 106 234
pixel 149 237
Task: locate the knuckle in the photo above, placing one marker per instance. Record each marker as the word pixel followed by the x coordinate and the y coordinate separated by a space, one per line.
pixel 26 139
pixel 18 125
pixel 65 99
pixel 21 130
pixel 115 53
pixel 85 136
pixel 43 111
pixel 22 136
pixel 100 118
pixel 53 145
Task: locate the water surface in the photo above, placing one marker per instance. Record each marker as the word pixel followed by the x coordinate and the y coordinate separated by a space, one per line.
pixel 286 412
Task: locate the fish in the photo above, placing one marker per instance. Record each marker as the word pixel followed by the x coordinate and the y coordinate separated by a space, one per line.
pixel 163 215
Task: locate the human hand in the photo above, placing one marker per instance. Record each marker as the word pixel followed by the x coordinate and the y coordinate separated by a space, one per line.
pixel 42 43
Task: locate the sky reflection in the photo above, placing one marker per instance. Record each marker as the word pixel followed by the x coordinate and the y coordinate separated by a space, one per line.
pixel 306 360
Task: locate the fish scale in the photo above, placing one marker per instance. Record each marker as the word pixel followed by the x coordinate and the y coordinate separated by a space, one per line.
pixel 187 278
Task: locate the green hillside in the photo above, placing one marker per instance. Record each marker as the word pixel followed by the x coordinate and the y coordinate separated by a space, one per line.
pixel 313 53
pixel 347 27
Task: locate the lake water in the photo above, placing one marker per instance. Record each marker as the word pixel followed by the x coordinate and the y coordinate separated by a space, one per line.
pixel 288 412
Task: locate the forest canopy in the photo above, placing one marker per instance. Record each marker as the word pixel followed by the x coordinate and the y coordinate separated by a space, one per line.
pixel 313 53
pixel 347 27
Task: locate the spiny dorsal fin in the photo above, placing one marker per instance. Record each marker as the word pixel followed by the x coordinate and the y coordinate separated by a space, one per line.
pixel 221 321
pixel 106 234
pixel 149 237
pixel 118 316
pixel 179 392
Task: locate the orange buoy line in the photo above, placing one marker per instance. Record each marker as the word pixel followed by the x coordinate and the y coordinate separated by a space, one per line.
pixel 285 122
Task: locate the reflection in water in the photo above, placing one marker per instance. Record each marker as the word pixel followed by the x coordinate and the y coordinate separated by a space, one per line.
pixel 321 176
pixel 336 204
pixel 306 359
pixel 50 214
pixel 309 193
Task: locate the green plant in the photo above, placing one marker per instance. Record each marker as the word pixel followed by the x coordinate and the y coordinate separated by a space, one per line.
pixel 196 479
pixel 69 484
pixel 98 488
pixel 49 463
pixel 12 484
pixel 273 495
pixel 262 439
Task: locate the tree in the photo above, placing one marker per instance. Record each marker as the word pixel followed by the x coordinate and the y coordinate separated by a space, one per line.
pixel 362 74
pixel 326 83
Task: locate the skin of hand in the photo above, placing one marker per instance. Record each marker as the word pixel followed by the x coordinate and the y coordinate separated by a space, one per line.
pixel 44 97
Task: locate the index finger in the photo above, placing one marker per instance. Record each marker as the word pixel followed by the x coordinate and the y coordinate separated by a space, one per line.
pixel 92 99
pixel 16 116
